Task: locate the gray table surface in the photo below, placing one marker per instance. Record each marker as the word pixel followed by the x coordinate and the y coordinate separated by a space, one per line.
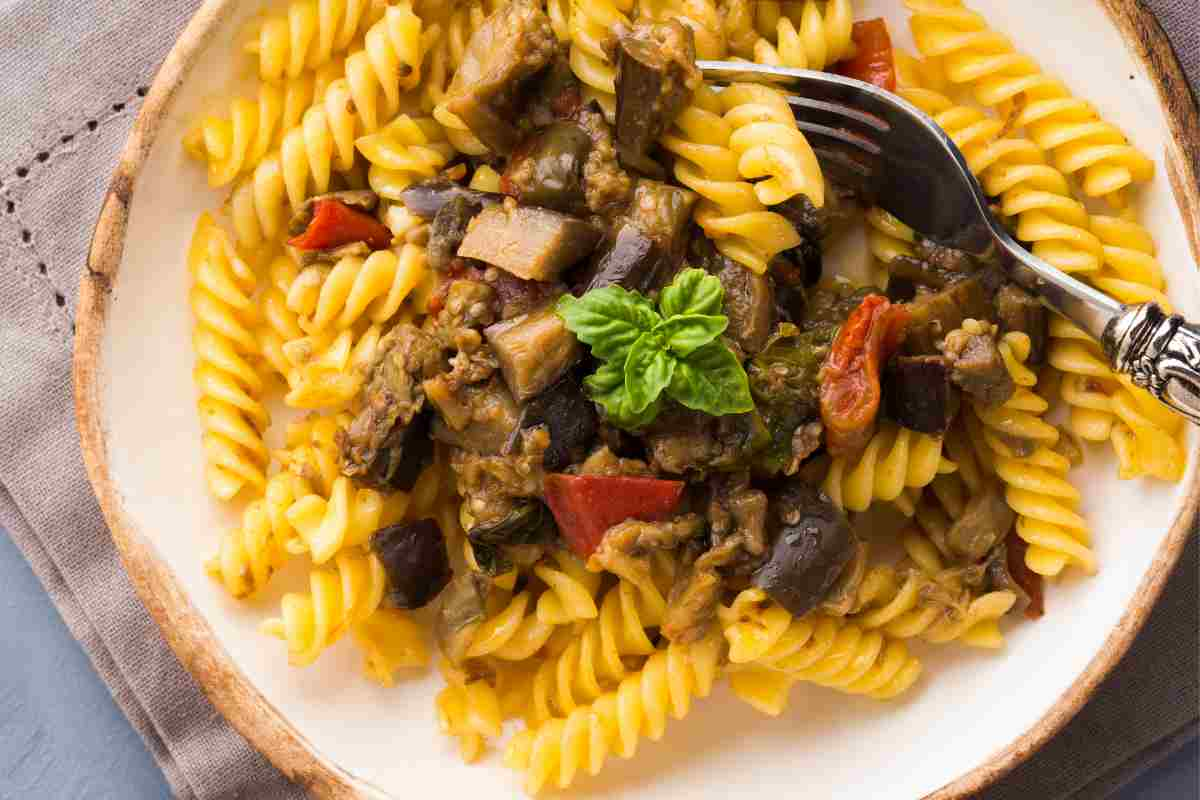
pixel 62 737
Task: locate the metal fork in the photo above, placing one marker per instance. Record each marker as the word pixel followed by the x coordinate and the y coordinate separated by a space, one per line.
pixel 865 135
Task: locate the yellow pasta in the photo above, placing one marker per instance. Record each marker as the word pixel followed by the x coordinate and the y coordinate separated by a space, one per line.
pixel 308 35
pixel 469 711
pixel 570 593
pixel 405 151
pixel 555 751
pixel 702 16
pixel 894 460
pixel 390 640
pixel 588 26
pixel 513 634
pixel 807 35
pixel 986 61
pixel 347 518
pixel 328 368
pixel 374 287
pixel 231 412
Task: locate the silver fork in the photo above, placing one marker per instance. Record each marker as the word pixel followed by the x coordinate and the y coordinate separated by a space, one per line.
pixel 863 134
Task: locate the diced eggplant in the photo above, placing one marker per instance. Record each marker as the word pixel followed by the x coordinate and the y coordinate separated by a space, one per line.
pixel 945 260
pixel 608 187
pixel 918 395
pixel 492 419
pixel 529 522
pixel 463 607
pixel 448 229
pixel 512 46
pixel 749 304
pixel 901 289
pixel 534 350
pixel 921 273
pixel 682 441
pixel 427 198
pixel 933 316
pixel 828 307
pixel 536 244
pixel 692 606
pixel 813 542
pixel 664 213
pixel 656 74
pixel 629 259
pixel 558 94
pixel 548 170
pixel 404 454
pixel 414 557
pixel 1018 310
pixel 985 521
pixel 977 367
pixel 569 416
pixel 785 372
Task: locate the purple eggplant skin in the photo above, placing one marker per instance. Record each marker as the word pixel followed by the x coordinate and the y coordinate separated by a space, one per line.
pixel 813 541
pixel 918 393
pixel 414 557
pixel 427 198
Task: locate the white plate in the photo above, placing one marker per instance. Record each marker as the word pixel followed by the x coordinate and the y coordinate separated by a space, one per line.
pixel 342 735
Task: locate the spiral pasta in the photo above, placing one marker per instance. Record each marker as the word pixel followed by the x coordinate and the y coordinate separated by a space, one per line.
pixel 816 648
pixel 308 35
pixel 328 368
pixel 390 640
pixel 231 413
pixel 340 596
pixel 702 16
pixel 559 748
pixel 374 287
pixel 280 324
pixel 812 37
pixel 469 711
pixel 347 518
pixel 588 27
pixel 249 554
pixel 513 634
pixel 714 164
pixel 895 459
pixel 986 61
pixel 407 150
pixel 235 143
pixel 570 590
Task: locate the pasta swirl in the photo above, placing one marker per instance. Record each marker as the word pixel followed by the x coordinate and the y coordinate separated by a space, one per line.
pixel 231 413
pixel 559 748
pixel 308 35
pixel 810 38
pixel 406 150
pixel 894 460
pixel 374 287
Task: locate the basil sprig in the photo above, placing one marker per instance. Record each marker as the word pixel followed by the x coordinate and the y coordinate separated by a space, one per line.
pixel 674 350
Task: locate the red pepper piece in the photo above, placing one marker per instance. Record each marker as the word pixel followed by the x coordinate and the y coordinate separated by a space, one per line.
pixel 1026 578
pixel 335 224
pixel 873 61
pixel 850 391
pixel 586 506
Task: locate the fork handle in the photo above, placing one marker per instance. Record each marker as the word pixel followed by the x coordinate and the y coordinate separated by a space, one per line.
pixel 1159 352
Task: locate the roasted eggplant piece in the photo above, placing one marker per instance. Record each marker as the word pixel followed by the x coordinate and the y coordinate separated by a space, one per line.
pixel 548 170
pixel 985 521
pixel 414 557
pixel 918 394
pixel 664 213
pixel 786 371
pixel 530 522
pixel 933 316
pixel 1018 310
pixel 427 198
pixel 490 418
pixel 534 350
pixel 463 608
pixel 977 367
pixel 827 308
pixel 656 74
pixel 629 259
pixel 813 542
pixel 406 451
pixel 569 416
pixel 536 244
pixel 448 229
pixel 749 304
pixel 512 46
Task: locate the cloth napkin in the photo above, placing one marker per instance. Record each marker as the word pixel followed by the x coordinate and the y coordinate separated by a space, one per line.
pixel 72 73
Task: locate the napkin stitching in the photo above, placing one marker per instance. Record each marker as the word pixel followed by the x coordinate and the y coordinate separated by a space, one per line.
pixel 24 172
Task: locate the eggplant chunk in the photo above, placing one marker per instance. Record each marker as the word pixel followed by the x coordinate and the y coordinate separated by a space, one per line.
pixel 569 416
pixel 813 541
pixel 985 521
pixel 549 171
pixel 656 74
pixel 1018 310
pixel 415 560
pixel 448 229
pixel 629 259
pixel 427 198
pixel 534 350
pixel 491 417
pixel 933 316
pixel 749 304
pixel 663 213
pixel 978 368
pixel 918 393
pixel 532 243
pixel 512 46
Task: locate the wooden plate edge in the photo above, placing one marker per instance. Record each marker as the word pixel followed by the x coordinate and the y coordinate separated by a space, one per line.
pixel 193 640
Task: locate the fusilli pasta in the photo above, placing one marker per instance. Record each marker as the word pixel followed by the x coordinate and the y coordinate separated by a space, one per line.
pixel 308 35
pixel 895 459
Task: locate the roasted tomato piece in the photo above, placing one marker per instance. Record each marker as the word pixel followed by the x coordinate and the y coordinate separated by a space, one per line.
pixel 850 391
pixel 335 224
pixel 586 506
pixel 873 61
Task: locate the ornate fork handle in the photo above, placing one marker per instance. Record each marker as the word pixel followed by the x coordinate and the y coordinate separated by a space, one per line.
pixel 1160 352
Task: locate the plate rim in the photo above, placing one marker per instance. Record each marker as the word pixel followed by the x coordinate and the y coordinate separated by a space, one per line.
pixel 243 705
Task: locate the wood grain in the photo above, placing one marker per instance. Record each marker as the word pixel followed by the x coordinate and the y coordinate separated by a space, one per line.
pixel 190 635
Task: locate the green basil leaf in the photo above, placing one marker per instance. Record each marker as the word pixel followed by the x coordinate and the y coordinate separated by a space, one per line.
pixel 607 387
pixel 609 320
pixel 693 291
pixel 689 332
pixel 648 371
pixel 712 380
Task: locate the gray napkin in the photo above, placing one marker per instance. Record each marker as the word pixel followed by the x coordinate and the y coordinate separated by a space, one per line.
pixel 72 73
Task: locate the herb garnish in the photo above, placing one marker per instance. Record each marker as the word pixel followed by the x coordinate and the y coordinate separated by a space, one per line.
pixel 674 350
